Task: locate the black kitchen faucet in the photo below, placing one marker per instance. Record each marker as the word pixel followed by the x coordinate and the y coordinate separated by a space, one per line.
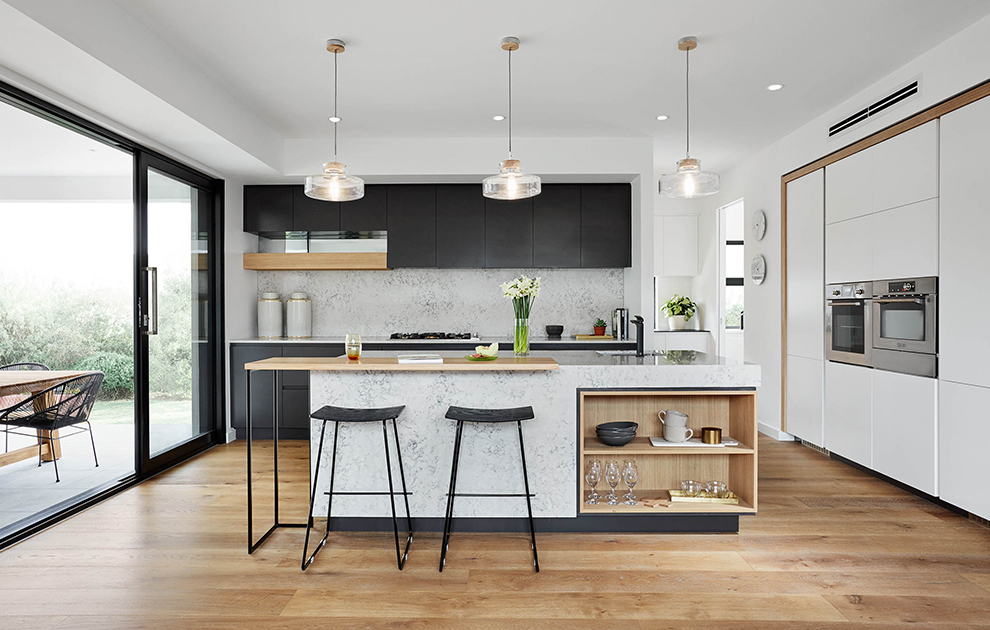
pixel 637 321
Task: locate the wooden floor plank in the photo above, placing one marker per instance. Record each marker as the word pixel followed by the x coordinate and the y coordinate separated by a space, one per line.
pixel 889 608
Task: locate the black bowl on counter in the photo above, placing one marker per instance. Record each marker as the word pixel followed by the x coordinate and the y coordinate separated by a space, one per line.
pixel 554 331
pixel 617 426
pixel 616 433
pixel 616 439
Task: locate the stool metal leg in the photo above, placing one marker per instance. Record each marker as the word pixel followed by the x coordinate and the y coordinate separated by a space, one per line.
pixel 448 517
pixel 529 502
pixel 402 477
pixel 306 561
pixel 400 557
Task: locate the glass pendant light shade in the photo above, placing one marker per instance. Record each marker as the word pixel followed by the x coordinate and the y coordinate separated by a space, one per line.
pixel 511 183
pixel 689 181
pixel 333 184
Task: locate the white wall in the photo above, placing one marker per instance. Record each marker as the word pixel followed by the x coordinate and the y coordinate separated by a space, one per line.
pixel 240 286
pixel 952 67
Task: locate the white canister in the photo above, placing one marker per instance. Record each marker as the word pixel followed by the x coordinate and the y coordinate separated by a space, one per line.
pixel 269 316
pixel 299 316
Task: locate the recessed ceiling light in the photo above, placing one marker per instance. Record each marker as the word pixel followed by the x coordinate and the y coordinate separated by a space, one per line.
pixel 498 118
pixel 334 119
pixel 776 86
pixel 661 117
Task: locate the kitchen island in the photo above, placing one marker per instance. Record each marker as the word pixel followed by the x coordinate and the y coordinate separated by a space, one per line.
pixel 570 393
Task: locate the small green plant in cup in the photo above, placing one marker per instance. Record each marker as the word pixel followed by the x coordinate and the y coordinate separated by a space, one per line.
pixel 599 327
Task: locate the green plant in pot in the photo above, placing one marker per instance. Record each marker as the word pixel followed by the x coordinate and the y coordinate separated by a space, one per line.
pixel 599 327
pixel 679 311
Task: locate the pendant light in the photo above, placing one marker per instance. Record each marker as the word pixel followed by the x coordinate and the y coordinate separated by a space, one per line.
pixel 510 183
pixel 689 181
pixel 333 184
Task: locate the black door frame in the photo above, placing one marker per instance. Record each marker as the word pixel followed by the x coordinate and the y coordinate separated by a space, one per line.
pixel 143 158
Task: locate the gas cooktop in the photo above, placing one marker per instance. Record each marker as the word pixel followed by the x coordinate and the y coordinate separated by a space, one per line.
pixel 433 335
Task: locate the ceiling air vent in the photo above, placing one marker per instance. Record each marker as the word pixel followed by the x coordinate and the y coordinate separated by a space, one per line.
pixel 898 96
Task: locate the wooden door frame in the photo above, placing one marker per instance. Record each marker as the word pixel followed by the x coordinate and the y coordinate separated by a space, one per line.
pixel 975 93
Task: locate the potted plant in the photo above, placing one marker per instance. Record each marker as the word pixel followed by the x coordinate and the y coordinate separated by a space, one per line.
pixel 679 310
pixel 523 291
pixel 599 327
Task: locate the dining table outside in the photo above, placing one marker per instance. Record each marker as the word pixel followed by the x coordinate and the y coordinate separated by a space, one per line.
pixel 32 383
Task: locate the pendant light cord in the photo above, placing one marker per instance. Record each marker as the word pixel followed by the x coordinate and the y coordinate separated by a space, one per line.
pixel 335 105
pixel 510 104
pixel 687 102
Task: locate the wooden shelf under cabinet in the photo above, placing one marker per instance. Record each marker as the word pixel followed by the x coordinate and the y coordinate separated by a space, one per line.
pixel 663 468
pixel 318 261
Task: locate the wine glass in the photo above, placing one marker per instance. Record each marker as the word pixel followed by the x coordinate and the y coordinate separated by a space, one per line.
pixel 625 464
pixel 593 476
pixel 630 474
pixel 612 478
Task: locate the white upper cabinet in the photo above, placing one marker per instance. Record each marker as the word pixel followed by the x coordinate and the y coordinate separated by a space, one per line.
pixel 806 266
pixel 905 168
pixel 905 429
pixel 848 251
pixel 849 187
pixel 964 433
pixel 905 241
pixel 849 412
pixel 964 256
pixel 676 245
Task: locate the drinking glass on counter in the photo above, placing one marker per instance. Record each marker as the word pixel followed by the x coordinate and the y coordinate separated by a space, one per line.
pixel 612 477
pixel 717 489
pixel 691 488
pixel 352 343
pixel 593 475
pixel 630 474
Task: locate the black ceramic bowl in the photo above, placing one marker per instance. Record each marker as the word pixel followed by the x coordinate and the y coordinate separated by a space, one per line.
pixel 616 439
pixel 617 426
pixel 554 331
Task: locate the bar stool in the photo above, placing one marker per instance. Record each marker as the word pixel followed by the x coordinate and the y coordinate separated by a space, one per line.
pixel 344 414
pixel 487 416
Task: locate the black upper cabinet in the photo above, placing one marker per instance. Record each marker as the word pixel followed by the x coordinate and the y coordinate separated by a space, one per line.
pixel 412 226
pixel 460 226
pixel 606 225
pixel 267 209
pixel 509 233
pixel 368 213
pixel 313 215
pixel 557 226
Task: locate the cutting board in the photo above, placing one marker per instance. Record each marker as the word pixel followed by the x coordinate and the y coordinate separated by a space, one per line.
pixel 726 441
pixel 593 337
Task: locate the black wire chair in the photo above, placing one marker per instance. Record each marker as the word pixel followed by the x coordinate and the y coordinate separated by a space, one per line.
pixel 62 406
pixel 6 402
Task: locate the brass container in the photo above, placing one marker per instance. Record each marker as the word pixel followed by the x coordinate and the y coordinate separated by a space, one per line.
pixel 711 435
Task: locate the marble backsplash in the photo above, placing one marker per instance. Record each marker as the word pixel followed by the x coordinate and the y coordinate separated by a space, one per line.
pixel 378 303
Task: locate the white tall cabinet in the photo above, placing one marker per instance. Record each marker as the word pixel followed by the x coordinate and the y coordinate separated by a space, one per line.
pixel 964 259
pixel 677 240
pixel 905 429
pixel 849 412
pixel 805 306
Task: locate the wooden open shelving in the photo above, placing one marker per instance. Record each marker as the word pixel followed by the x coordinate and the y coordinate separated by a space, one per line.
pixel 317 261
pixel 663 468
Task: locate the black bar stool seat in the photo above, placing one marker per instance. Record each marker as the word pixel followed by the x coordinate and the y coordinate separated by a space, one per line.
pixel 486 416
pixel 467 414
pixel 337 415
pixel 330 413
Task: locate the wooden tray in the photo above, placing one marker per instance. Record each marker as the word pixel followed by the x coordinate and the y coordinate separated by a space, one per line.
pixel 677 496
pixel 593 337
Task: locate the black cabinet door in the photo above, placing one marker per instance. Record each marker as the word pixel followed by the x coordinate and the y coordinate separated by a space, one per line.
pixel 557 226
pixel 460 226
pixel 295 407
pixel 367 214
pixel 313 215
pixel 509 233
pixel 606 225
pixel 412 226
pixel 267 209
pixel 300 378
pixel 262 385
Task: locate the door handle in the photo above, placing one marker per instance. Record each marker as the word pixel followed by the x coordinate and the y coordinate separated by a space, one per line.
pixel 151 320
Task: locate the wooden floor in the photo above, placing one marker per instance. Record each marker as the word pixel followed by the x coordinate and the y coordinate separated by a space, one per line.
pixel 831 548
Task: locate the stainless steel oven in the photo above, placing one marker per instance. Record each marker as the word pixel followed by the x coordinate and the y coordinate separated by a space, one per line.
pixel 905 325
pixel 849 323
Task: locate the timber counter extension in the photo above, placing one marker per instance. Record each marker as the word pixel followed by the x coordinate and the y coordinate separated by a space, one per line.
pixel 570 393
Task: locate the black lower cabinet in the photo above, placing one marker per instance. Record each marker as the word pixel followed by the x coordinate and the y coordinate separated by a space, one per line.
pixel 262 389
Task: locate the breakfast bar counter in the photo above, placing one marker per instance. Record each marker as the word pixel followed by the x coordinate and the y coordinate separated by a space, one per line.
pixel 570 392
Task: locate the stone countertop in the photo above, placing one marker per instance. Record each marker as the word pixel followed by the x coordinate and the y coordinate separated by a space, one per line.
pixel 486 339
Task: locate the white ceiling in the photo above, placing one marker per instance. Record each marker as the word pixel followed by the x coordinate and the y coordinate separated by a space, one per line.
pixel 586 68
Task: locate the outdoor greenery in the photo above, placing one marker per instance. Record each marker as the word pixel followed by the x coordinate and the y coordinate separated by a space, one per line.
pixel 71 327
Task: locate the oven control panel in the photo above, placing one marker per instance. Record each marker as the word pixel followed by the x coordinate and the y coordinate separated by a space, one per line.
pixel 907 286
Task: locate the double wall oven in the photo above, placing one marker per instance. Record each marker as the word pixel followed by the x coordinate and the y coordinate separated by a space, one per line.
pixel 885 324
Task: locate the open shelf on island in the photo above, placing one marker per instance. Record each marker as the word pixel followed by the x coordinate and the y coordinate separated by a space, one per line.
pixel 733 411
pixel 642 446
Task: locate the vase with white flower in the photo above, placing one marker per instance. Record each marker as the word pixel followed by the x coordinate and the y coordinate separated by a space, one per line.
pixel 523 291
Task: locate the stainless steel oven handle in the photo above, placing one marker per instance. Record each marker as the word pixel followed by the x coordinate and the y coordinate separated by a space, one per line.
pixel 845 302
pixel 899 301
